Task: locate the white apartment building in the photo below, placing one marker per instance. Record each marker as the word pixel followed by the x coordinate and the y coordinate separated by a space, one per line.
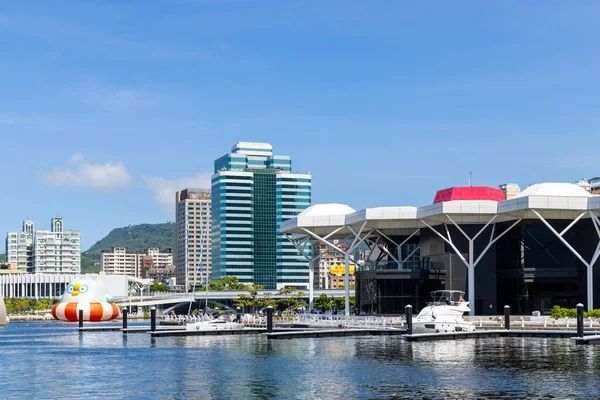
pixel 53 251
pixel 193 242
pixel 119 262
pixel 19 247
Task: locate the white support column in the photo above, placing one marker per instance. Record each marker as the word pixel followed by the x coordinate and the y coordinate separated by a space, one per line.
pixel 589 266
pixel 347 282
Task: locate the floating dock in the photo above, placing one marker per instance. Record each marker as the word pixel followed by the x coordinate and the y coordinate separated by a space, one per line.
pixel 319 333
pixel 546 333
pixel 132 329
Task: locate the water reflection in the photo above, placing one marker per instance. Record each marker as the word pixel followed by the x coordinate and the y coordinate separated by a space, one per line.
pixel 109 364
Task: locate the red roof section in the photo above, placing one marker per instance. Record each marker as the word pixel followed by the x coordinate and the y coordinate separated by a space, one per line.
pixel 469 193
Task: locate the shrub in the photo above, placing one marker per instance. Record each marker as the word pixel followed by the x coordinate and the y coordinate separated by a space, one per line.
pixel 561 312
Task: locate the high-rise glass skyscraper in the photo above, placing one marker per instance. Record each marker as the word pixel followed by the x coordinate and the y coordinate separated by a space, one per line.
pixel 253 191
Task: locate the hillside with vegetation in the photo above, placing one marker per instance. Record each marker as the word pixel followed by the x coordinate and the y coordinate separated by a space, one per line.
pixel 135 238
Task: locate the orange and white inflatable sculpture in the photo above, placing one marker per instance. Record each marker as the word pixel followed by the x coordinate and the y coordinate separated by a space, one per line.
pixel 89 294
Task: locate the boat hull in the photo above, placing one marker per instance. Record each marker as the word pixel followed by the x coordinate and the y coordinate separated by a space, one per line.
pixel 442 327
pixel 4 320
pixel 213 326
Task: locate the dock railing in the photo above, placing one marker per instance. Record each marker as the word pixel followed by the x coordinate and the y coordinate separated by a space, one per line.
pixel 354 322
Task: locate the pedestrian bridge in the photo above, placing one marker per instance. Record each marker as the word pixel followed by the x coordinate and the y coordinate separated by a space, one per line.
pixel 175 298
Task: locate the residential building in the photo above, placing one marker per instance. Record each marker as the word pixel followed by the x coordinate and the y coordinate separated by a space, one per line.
pixel 510 190
pixel 336 280
pixel 9 268
pixel 155 258
pixel 53 251
pixel 119 262
pixel 594 185
pixel 158 272
pixel 328 259
pixel 193 239
pixel 253 192
pixel 19 247
pixel 56 250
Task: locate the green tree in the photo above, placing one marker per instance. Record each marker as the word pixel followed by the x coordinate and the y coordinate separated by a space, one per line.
pixel 43 304
pixel 323 302
pixel 292 299
pixel 341 301
pixel 158 286
pixel 231 283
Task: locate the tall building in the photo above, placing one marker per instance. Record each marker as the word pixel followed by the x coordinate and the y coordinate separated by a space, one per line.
pixel 193 239
pixel 253 191
pixel 53 251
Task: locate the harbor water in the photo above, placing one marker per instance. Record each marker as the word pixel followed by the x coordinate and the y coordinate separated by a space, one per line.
pixel 52 360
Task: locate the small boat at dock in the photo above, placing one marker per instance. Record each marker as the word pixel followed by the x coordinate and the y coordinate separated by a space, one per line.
pixel 444 314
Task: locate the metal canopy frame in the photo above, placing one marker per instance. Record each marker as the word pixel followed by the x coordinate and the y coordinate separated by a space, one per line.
pixel 300 244
pixel 589 265
pixel 471 262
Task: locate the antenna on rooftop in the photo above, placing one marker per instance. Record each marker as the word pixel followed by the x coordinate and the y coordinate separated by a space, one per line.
pixel 470 173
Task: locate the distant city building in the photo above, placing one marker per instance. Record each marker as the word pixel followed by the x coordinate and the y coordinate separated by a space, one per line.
pixel 585 184
pixel 193 239
pixel 253 191
pixel 53 251
pixel 9 268
pixel 119 262
pixel 594 185
pixel 162 273
pixel 511 190
pixel 326 276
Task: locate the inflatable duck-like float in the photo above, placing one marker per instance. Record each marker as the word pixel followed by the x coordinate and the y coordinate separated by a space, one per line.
pixel 87 293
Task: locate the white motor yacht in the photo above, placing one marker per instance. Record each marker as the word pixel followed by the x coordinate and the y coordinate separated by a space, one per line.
pixel 444 314
pixel 3 317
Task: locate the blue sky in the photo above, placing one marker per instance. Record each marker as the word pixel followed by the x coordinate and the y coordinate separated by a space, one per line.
pixel 106 108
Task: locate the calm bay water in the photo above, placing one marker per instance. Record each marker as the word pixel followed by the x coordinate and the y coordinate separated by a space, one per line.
pixel 52 360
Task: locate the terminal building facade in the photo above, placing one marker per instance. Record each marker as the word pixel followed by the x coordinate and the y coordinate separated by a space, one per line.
pixel 536 250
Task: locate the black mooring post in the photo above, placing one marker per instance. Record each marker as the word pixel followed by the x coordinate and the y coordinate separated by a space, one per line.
pixel 238 315
pixel 125 312
pixel 80 318
pixel 507 318
pixel 153 319
pixel 269 319
pixel 409 314
pixel 579 320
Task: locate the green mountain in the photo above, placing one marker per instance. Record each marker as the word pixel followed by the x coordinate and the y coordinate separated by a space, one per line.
pixel 135 238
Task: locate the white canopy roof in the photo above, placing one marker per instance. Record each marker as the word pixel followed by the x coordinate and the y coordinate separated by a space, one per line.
pixel 555 189
pixel 551 200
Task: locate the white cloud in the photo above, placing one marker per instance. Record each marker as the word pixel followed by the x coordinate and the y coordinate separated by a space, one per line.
pixel 80 173
pixel 164 189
